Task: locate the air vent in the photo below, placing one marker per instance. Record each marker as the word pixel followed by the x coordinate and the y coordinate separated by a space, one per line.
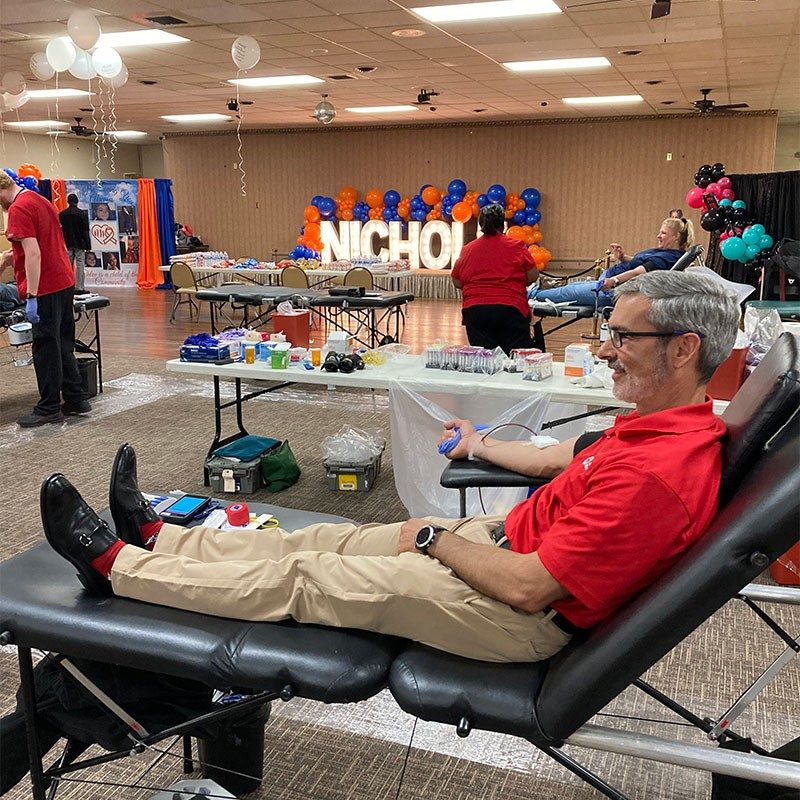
pixel 148 82
pixel 341 77
pixel 166 20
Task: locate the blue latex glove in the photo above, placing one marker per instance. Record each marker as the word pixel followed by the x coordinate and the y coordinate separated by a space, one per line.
pixel 448 444
pixel 599 285
pixel 32 310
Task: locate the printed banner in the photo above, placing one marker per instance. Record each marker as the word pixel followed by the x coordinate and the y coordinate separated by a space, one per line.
pixel 113 230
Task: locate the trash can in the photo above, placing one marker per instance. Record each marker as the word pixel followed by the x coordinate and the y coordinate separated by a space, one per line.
pixel 88 369
pixel 237 746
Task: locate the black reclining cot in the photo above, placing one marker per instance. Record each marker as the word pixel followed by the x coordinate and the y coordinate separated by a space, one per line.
pixel 547 703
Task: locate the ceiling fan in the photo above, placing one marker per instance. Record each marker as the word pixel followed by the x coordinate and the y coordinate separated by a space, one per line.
pixel 706 106
pixel 80 130
pixel 424 97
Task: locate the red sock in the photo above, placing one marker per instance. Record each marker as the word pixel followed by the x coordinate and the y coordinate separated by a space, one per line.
pixel 150 532
pixel 105 561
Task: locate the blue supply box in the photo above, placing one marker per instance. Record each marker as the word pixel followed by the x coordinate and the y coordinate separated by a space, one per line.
pixel 193 352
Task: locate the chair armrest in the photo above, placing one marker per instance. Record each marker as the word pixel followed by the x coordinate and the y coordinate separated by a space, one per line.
pixel 465 474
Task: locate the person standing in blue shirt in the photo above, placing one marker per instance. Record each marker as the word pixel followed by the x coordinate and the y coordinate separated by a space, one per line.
pixel 675 237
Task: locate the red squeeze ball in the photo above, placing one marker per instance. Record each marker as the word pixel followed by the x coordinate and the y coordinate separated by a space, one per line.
pixel 238 514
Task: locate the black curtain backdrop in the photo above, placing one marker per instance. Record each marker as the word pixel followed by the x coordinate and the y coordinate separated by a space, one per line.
pixel 773 198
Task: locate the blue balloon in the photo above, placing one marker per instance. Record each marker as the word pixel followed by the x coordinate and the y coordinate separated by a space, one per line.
pixel 733 248
pixel 423 188
pixel 327 206
pixel 759 228
pixel 29 182
pixel 532 217
pixel 391 198
pixel 483 200
pixel 416 203
pixel 752 251
pixel 519 218
pixel 389 213
pixel 11 174
pixel 419 215
pixel 496 193
pixel 457 188
pixel 531 196
pixel 315 200
pixel 739 204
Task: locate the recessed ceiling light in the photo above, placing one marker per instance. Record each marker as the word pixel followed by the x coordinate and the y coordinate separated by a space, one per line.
pixel 609 99
pixel 499 9
pixel 366 68
pixel 408 33
pixel 556 64
pixel 38 123
pixel 126 134
pixel 318 51
pixel 196 117
pixel 629 52
pixel 276 81
pixel 48 94
pixel 140 38
pixel 380 109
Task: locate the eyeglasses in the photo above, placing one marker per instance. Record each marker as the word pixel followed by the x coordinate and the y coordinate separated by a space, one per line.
pixel 618 337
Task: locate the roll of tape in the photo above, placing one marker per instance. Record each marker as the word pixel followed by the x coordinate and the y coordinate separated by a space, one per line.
pixel 238 514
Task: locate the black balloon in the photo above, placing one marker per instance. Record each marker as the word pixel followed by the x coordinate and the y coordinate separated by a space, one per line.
pixel 739 215
pixel 704 181
pixel 697 178
pixel 705 169
pixel 712 221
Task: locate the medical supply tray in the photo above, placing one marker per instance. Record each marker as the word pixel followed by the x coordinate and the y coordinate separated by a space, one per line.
pixel 353 477
pixel 244 476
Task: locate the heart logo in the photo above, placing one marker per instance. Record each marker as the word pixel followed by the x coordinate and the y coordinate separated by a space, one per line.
pixel 104 234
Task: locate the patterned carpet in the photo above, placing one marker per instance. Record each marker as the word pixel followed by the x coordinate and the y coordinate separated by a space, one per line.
pixel 355 752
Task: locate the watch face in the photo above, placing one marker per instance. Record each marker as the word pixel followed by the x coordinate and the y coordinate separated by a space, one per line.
pixel 424 536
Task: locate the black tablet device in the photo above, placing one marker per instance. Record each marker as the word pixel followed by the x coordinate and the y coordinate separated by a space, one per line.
pixel 184 508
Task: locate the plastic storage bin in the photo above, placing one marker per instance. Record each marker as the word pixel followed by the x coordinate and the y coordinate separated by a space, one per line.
pixel 353 477
pixel 239 477
pixel 88 370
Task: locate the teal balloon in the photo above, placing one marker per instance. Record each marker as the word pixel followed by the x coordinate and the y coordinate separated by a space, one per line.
pixel 743 259
pixel 766 242
pixel 751 236
pixel 752 251
pixel 725 203
pixel 759 228
pixel 733 248
pixel 739 204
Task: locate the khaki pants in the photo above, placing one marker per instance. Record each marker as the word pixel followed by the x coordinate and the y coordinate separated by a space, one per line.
pixel 335 574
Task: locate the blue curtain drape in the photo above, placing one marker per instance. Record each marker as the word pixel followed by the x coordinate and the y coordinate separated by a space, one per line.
pixel 165 212
pixel 45 189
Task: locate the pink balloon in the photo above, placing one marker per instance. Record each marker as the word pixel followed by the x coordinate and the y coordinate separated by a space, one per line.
pixel 724 183
pixel 723 236
pixel 728 194
pixel 694 197
pixel 714 188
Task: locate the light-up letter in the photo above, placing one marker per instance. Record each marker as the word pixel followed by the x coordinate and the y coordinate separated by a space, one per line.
pixel 355 238
pixel 458 241
pixel 335 244
pixel 370 229
pixel 442 230
pixel 399 246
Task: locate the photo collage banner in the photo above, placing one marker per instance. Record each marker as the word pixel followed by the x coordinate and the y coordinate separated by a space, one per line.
pixel 112 207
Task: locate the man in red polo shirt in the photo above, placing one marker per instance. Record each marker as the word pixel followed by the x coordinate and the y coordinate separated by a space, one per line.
pixel 46 281
pixel 617 515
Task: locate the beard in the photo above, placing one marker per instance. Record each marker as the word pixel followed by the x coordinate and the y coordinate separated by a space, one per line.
pixel 635 388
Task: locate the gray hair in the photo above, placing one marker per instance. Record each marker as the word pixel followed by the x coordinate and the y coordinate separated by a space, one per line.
pixel 681 301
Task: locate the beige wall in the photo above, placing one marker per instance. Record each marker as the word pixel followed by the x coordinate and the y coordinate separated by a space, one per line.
pixel 787 144
pixel 600 180
pixel 74 158
pixel 152 161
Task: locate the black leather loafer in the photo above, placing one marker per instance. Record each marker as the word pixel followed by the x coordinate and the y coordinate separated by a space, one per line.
pixel 75 531
pixel 129 508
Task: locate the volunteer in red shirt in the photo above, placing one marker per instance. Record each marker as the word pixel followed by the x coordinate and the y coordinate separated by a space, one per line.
pixel 46 281
pixel 493 273
pixel 616 517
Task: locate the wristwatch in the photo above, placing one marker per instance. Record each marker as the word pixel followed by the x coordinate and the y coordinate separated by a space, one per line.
pixel 426 537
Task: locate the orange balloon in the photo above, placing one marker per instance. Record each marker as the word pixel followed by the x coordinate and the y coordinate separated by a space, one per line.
pixel 537 237
pixel 509 213
pixel 462 212
pixel 528 229
pixel 542 257
pixel 347 215
pixel 475 210
pixel 348 193
pixel 374 198
pixel 520 204
pixel 515 232
pixel 312 229
pixel 431 195
pixel 311 214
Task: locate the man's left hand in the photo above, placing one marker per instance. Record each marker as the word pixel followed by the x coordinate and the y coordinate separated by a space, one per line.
pixel 6 258
pixel 408 535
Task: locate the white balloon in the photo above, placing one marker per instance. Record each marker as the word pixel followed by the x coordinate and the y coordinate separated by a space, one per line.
pixel 40 67
pixel 14 82
pixel 107 62
pixel 14 101
pixel 82 67
pixel 245 52
pixel 120 79
pixel 60 54
pixel 83 28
